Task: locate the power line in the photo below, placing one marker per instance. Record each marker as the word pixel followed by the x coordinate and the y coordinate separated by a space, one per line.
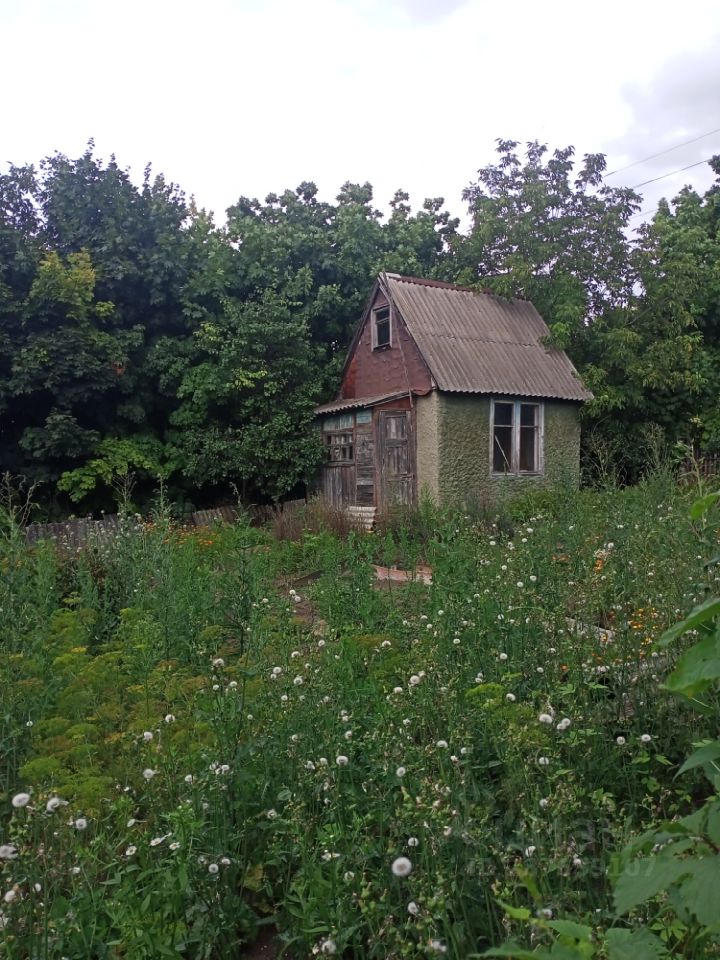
pixel 662 153
pixel 671 172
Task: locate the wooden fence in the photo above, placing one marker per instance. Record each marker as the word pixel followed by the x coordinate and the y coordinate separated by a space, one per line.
pixel 76 533
pixel 707 467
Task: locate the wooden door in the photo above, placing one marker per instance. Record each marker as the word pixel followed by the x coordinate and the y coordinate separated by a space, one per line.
pixel 364 466
pixel 397 457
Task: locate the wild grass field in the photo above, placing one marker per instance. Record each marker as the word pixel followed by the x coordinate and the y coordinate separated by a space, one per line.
pixel 208 736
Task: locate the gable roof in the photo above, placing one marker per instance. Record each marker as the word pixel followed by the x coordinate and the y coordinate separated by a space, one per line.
pixel 476 342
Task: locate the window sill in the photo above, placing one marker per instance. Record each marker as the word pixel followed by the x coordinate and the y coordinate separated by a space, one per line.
pixel 518 475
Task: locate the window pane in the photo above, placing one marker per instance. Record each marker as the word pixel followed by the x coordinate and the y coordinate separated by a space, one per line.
pixel 382 333
pixel 528 448
pixel 528 414
pixel 504 414
pixel 502 449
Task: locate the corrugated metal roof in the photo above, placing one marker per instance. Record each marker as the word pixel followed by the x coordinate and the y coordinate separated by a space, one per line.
pixel 480 343
pixel 337 405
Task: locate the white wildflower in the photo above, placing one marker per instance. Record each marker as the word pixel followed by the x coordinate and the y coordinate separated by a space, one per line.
pixel 400 772
pixel 341 760
pixel 8 851
pixel 80 824
pixel 149 773
pixel 213 868
pixel 20 800
pixel 54 803
pixel 401 867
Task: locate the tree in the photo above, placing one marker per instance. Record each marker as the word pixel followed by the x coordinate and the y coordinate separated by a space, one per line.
pixel 247 394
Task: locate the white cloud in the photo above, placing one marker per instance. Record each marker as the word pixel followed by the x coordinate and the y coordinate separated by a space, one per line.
pixel 230 97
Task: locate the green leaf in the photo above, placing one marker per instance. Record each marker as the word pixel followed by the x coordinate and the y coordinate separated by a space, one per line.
pixel 697 669
pixel 701 614
pixel 568 928
pixel 515 913
pixel 514 951
pixel 634 945
pixel 701 890
pixel 645 878
pixel 701 506
pixel 705 754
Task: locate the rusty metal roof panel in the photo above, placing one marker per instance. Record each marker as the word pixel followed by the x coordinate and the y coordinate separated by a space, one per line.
pixel 336 406
pixel 480 343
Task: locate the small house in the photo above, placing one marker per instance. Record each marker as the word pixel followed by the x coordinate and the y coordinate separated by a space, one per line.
pixel 451 393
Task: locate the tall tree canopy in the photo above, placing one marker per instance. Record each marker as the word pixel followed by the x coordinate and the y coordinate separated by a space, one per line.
pixel 137 336
pixel 637 315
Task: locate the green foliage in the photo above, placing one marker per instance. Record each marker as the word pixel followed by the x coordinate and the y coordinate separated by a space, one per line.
pixel 638 317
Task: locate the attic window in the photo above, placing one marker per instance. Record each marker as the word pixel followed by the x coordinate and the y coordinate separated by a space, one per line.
pixel 516 437
pixel 381 331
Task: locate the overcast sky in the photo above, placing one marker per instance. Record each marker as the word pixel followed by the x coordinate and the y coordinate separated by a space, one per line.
pixel 245 97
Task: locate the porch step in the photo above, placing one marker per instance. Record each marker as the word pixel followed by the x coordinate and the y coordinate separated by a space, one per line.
pixel 363 517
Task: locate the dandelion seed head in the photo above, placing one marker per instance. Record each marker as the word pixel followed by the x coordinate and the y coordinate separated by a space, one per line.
pixel 213 868
pixel 20 800
pixel 401 867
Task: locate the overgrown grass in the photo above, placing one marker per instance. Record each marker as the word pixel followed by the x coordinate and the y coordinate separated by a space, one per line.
pixel 218 730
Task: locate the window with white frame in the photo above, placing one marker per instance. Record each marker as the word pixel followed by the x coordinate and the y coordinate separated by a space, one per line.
pixel 516 430
pixel 381 328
